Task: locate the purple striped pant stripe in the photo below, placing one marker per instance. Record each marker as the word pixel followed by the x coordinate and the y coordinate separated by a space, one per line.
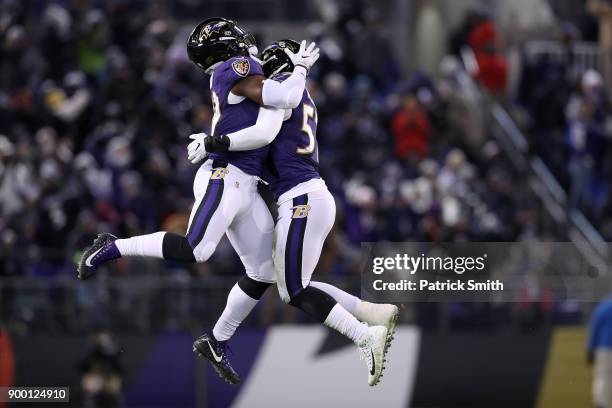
pixel 205 211
pixel 294 248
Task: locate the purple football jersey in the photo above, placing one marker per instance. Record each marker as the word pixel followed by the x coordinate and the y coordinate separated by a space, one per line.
pixel 294 156
pixel 230 118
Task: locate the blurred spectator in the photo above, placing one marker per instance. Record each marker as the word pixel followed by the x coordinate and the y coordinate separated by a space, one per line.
pixel 591 92
pixel 17 183
pixel 93 40
pixel 379 64
pixel 7 362
pixel 599 353
pixel 101 373
pixel 477 41
pixel 580 142
pixel 602 9
pixel 411 129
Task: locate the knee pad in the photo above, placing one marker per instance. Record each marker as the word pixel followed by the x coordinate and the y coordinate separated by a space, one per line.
pixel 253 288
pixel 176 247
pixel 314 302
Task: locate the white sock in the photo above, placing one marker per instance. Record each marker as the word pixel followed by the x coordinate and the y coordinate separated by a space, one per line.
pixel 238 307
pixel 348 301
pixel 344 322
pixel 142 245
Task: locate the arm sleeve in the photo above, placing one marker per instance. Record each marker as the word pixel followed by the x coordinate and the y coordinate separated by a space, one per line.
pixel 263 132
pixel 286 94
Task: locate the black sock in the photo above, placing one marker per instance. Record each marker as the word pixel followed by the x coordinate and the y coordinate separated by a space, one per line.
pixel 253 288
pixel 314 302
pixel 175 247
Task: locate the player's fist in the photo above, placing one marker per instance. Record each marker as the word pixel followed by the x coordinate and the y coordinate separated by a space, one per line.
pixel 196 150
pixel 305 56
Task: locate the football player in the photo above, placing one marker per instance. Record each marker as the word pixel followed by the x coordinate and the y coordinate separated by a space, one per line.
pixel 306 215
pixel 225 187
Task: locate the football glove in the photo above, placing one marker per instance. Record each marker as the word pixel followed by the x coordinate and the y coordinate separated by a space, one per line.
pixel 219 143
pixel 196 150
pixel 304 57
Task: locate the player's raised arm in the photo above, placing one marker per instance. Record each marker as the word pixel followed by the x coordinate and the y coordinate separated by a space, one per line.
pixel 286 94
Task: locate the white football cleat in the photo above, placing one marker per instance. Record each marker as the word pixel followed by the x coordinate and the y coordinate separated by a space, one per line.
pixel 373 350
pixel 375 314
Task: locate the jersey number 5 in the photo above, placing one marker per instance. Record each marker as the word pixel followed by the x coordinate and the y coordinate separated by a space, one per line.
pixel 308 113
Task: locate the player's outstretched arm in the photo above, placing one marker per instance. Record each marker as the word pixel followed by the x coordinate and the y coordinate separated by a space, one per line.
pixel 286 94
pixel 263 132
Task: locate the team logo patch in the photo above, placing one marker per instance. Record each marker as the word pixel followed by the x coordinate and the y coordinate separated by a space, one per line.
pixel 300 211
pixel 219 173
pixel 241 67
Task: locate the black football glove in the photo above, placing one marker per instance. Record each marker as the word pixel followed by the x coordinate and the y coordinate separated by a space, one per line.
pixel 219 143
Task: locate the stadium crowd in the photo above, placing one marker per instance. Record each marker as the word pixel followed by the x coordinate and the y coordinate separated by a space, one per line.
pixel 570 126
pixel 96 105
pixel 558 94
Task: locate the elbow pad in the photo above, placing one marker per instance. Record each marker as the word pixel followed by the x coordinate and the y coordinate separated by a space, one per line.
pixel 286 94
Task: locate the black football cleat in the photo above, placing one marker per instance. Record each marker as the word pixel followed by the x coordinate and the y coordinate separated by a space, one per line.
pixel 102 250
pixel 216 352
